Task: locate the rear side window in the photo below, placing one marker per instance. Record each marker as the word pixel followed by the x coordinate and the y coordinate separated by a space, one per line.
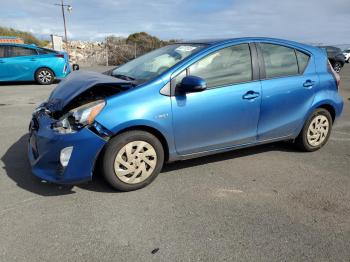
pixel 21 51
pixel 226 66
pixel 279 60
pixel 303 60
pixel 44 51
pixel 2 51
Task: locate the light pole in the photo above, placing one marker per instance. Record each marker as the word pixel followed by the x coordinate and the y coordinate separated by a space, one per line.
pixel 69 9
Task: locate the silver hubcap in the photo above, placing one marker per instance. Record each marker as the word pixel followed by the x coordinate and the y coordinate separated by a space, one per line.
pixel 45 76
pixel 135 162
pixel 318 130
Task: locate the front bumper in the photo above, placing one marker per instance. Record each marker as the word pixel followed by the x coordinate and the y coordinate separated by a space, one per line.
pixel 44 149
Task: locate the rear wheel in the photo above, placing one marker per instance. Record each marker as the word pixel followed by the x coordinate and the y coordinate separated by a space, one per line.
pixel 316 131
pixel 44 76
pixel 132 160
pixel 337 67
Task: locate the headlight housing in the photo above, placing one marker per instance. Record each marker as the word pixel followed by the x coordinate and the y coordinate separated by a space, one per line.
pixel 79 117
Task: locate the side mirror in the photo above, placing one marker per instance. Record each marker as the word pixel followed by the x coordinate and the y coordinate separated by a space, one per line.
pixel 190 84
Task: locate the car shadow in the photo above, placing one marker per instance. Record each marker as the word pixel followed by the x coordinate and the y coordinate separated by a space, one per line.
pixel 17 83
pixel 17 168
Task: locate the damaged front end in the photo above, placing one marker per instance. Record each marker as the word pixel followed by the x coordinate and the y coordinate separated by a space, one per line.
pixel 74 105
pixel 65 139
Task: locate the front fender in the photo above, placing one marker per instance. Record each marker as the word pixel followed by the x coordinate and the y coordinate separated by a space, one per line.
pixel 143 107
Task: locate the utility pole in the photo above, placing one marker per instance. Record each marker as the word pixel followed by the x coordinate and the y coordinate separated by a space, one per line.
pixel 135 46
pixel 107 51
pixel 69 9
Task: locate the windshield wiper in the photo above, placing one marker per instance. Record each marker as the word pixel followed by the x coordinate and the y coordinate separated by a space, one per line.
pixel 124 77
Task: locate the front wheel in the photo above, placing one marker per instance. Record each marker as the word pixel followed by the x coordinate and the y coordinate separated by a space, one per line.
pixel 44 76
pixel 132 160
pixel 316 131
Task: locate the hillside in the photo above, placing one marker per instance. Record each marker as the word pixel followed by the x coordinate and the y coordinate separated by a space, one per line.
pixel 27 37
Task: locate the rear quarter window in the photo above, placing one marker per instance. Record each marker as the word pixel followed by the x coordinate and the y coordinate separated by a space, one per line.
pixel 303 60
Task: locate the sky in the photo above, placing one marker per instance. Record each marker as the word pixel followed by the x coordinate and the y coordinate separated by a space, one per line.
pixel 311 21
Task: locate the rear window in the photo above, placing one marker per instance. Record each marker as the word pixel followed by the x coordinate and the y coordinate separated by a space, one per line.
pixel 279 60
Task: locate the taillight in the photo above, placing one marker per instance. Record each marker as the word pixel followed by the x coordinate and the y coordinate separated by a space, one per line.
pixel 335 74
pixel 60 55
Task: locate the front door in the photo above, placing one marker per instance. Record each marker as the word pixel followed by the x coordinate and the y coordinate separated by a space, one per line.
pixel 224 115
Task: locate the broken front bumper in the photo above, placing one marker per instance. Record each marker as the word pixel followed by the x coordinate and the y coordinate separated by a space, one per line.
pixel 45 146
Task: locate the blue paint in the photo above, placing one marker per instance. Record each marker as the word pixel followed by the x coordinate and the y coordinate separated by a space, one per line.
pixel 23 68
pixel 192 124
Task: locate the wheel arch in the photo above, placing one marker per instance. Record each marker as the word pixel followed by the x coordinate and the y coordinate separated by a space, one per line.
pixel 329 108
pixel 158 134
pixel 44 67
pixel 152 131
pixel 322 104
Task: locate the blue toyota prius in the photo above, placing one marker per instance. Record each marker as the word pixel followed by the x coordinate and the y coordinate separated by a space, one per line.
pixel 20 62
pixel 183 101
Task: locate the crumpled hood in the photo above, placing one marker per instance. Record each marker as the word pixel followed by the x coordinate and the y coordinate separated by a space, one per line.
pixel 76 83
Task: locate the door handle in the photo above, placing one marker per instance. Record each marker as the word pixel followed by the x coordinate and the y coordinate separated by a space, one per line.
pixel 309 83
pixel 32 59
pixel 250 95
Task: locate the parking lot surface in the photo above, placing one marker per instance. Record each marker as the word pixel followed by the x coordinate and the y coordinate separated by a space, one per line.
pixel 267 203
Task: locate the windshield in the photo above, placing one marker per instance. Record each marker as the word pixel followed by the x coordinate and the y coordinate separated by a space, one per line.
pixel 154 63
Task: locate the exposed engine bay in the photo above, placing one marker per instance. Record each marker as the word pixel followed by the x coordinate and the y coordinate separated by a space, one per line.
pixel 95 93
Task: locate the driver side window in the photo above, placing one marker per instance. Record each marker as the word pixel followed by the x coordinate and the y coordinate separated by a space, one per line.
pixel 224 67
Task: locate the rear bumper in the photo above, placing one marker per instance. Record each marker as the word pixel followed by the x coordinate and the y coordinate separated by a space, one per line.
pixel 45 145
pixel 63 71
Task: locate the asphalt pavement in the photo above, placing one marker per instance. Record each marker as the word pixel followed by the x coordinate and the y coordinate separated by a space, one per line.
pixel 267 203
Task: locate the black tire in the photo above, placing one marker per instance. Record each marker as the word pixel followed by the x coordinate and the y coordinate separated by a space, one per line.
pixel 44 76
pixel 302 141
pixel 337 67
pixel 116 144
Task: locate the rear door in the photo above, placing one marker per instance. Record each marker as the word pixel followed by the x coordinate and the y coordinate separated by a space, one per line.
pixel 21 63
pixel 288 83
pixel 224 115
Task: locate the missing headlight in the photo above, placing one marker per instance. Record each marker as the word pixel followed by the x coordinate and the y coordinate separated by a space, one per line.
pixel 79 117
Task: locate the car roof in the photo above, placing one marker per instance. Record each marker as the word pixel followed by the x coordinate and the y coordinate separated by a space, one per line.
pixel 219 41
